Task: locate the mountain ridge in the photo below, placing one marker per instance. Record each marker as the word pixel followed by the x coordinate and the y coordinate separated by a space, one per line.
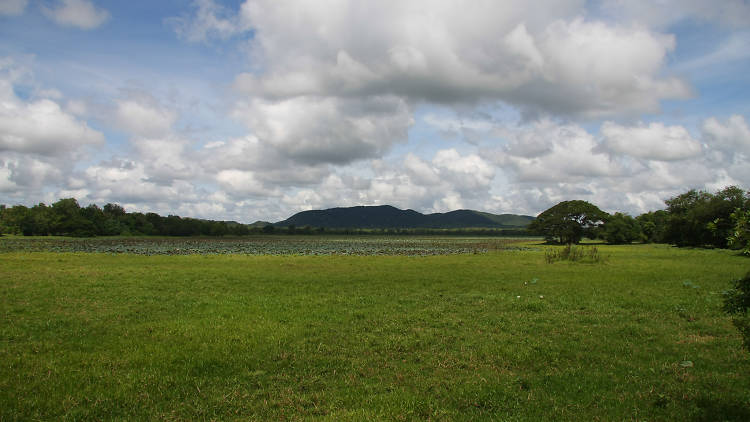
pixel 390 217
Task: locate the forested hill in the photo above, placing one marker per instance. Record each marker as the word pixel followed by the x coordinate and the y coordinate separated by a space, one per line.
pixel 386 216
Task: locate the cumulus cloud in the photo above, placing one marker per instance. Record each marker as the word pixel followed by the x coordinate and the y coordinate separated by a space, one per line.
pixel 267 163
pixel 329 129
pixel 145 119
pixel 550 152
pixel 470 174
pixel 655 141
pixel 38 126
pixel 511 95
pixel 242 183
pixel 31 173
pixel 531 59
pixel 732 136
pixel 130 181
pixel 336 82
pixel 80 14
pixel 167 159
pixel 729 145
pixel 12 7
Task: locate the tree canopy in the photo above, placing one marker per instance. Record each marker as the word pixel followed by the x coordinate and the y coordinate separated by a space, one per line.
pixel 569 221
pixel 67 218
pixel 622 229
pixel 698 218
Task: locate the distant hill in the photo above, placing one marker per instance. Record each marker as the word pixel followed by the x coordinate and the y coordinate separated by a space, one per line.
pixel 386 216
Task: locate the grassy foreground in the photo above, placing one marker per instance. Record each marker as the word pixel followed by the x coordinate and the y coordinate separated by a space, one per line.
pixel 495 336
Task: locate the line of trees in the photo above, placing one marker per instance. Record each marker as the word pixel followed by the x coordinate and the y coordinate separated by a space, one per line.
pixel 67 218
pixel 694 218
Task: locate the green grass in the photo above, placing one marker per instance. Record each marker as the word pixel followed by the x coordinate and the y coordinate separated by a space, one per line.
pixel 225 337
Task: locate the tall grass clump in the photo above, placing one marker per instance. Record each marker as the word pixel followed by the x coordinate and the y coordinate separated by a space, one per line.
pixel 574 254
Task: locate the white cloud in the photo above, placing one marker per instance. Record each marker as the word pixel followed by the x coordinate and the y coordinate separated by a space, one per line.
pixel 600 70
pixel 268 164
pixel 41 126
pixel 335 82
pixel 242 183
pixel 81 14
pixel 12 7
pixel 548 152
pixel 655 141
pixel 167 159
pixel 128 181
pixel 144 119
pixel 27 173
pixel 543 61
pixel 313 130
pixel 420 172
pixel 469 174
pixel 733 136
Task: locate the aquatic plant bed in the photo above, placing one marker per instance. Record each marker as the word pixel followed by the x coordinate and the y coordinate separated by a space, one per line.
pixel 265 245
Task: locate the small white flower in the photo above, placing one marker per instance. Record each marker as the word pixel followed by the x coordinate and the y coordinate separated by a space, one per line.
pixel 541 297
pixel 518 297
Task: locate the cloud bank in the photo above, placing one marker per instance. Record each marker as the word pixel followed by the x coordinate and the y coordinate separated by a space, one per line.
pixel 431 105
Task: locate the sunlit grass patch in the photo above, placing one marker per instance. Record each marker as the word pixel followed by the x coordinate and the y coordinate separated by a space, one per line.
pixel 492 336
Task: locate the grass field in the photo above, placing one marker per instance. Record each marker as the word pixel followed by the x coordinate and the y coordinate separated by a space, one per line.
pixel 500 335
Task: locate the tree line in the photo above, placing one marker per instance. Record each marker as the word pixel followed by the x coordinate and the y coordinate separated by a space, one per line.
pixel 67 218
pixel 694 218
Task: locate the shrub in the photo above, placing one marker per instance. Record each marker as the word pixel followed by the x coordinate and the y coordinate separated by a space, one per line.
pixel 574 254
pixel 737 304
pixel 740 237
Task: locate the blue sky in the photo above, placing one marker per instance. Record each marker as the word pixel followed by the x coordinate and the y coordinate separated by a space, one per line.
pixel 246 110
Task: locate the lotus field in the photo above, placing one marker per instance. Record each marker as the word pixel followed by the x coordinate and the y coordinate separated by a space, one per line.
pixel 265 245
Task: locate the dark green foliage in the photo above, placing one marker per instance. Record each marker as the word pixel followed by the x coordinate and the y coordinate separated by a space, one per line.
pixel 568 222
pixel 653 225
pixel 740 237
pixel 698 218
pixel 737 304
pixel 67 218
pixel 621 229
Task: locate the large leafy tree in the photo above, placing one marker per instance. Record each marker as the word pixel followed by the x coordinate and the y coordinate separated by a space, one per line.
pixel 569 221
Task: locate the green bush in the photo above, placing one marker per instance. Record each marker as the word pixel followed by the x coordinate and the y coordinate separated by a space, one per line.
pixel 737 304
pixel 574 254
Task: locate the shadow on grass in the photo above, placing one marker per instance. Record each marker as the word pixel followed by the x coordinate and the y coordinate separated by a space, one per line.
pixel 721 410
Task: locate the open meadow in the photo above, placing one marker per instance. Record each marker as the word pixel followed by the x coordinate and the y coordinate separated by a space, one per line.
pixel 451 329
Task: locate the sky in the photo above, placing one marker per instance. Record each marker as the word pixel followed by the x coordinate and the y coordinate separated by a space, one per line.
pixel 258 109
